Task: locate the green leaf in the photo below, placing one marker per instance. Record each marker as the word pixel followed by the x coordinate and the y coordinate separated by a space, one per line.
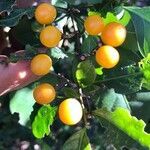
pixel 89 44
pixel 85 73
pixel 91 13
pixel 6 5
pixel 70 93
pixel 36 27
pixel 23 33
pixel 110 17
pixel 141 21
pixel 43 120
pixel 124 20
pixel 112 100
pixel 130 125
pixel 142 96
pixel 51 78
pixel 80 23
pixel 78 141
pixel 99 71
pixel 22 102
pixel 57 53
pixel 144 65
pixel 14 17
pixel 79 2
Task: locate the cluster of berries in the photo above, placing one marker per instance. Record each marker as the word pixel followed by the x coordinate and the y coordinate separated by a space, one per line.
pixel 112 35
pixel 70 110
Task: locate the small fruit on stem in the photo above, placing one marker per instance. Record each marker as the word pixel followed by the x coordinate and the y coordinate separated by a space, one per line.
pixel 70 111
pixel 114 34
pixel 107 56
pixel 45 13
pixel 41 64
pixel 94 25
pixel 50 36
pixel 44 93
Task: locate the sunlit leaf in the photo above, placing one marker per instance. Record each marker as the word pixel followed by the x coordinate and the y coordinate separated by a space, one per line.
pixel 130 125
pixel 22 102
pixel 85 73
pixel 43 120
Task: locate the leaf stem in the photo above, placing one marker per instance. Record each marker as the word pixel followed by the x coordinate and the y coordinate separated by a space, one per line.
pixel 72 84
pixel 119 77
pixel 83 107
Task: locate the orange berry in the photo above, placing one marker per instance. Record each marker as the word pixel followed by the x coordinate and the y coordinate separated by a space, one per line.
pixel 45 13
pixel 50 36
pixel 107 56
pixel 114 34
pixel 41 64
pixel 70 111
pixel 44 93
pixel 94 25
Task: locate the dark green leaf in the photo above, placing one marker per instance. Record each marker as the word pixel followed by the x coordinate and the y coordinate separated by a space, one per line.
pixel 85 73
pixel 22 102
pixel 70 93
pixel 140 108
pixel 43 120
pixel 6 5
pixel 111 100
pixel 24 34
pixel 36 27
pixel 89 44
pixel 15 16
pixel 141 96
pixel 52 78
pixel 78 141
pixel 141 21
pixel 78 2
pixel 80 23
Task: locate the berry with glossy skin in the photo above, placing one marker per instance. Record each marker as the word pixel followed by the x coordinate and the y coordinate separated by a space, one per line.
pixel 94 25
pixel 114 34
pixel 44 93
pixel 70 111
pixel 45 13
pixel 50 36
pixel 107 56
pixel 41 64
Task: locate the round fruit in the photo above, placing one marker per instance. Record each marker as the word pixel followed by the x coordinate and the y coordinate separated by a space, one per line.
pixel 44 93
pixel 70 111
pixel 45 13
pixel 114 34
pixel 107 56
pixel 94 25
pixel 50 36
pixel 41 64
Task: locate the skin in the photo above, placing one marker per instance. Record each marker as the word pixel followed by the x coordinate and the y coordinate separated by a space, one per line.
pixel 14 76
